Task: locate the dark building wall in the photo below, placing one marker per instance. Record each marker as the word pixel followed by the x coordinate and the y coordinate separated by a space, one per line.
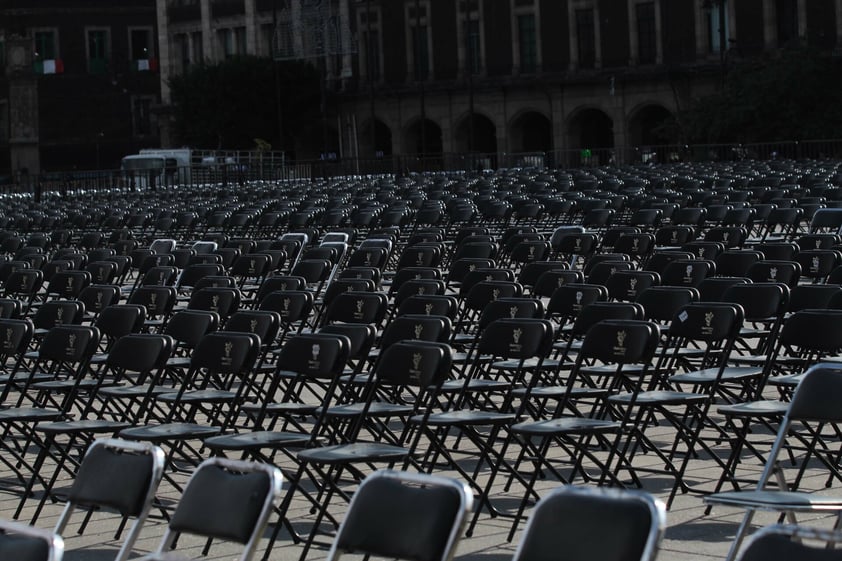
pixel 86 119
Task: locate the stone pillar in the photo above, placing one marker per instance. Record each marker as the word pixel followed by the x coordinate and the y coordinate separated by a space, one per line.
pixel 23 108
pixel 253 37
pixel 166 67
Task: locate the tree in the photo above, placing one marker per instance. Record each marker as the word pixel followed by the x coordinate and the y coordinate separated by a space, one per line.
pixel 793 95
pixel 229 104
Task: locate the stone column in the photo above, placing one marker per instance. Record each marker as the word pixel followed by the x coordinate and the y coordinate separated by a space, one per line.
pixel 23 109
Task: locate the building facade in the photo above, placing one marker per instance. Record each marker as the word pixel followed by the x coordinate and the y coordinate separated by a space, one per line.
pixel 79 83
pixel 498 76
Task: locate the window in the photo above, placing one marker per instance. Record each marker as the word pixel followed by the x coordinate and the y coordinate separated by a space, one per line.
pixel 371 55
pixel 142 115
pixel 98 48
pixel 717 25
pixel 527 41
pixel 586 38
pixel 371 41
pixel 470 37
pixel 45 45
pixel 197 47
pixel 473 45
pixel 240 40
pixel 226 43
pixel 647 38
pixel 787 18
pixel 142 50
pixel 182 49
pixel 420 56
pixel 418 37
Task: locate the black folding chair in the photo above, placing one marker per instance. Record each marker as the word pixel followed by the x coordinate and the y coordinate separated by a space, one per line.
pixel 380 521
pixel 22 542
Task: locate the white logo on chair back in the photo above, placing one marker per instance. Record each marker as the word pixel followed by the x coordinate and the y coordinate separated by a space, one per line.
pixel 620 347
pixel 814 267
pixel 688 274
pixel 635 244
pixel 707 329
pixel 773 273
pixel 701 252
pixel 59 315
pixel 579 296
pixel 98 300
pixel 7 344
pixel 226 360
pixel 153 302
pixel 349 289
pixel 251 266
pixel 70 284
pixel 420 260
pixel 578 245
pixel 283 285
pixel 472 267
pixel 359 313
pixel 513 312
pixel 516 347
pixel 532 252
pixel 286 303
pixel 488 277
pixel 674 238
pixel 71 344
pixel 314 352
pixel 215 303
pixel 422 290
pixel 418 329
pixel 100 274
pixel 367 259
pixel 495 293
pixel 725 236
pixel 417 276
pixel 560 281
pixel 612 270
pixel 253 326
pixel 632 286
pixel 415 371
pixel 428 308
pixel 23 282
pixel 818 244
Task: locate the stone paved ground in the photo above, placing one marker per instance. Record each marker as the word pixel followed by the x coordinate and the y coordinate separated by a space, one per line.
pixel 691 534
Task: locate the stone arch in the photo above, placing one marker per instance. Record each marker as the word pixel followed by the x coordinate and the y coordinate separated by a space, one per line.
pixel 590 128
pixel 484 135
pixel 422 136
pixel 375 139
pixel 531 131
pixel 645 125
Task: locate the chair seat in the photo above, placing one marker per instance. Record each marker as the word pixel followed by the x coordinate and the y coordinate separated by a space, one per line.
pixel 788 381
pixel 376 409
pixel 168 431
pixel 762 408
pixel 21 377
pixel 196 396
pixel 274 409
pixel 475 385
pixel 257 440
pixel 564 425
pixel 709 375
pixel 84 425
pixel 58 385
pixel 659 397
pixel 610 369
pixel 529 364
pixel 354 452
pixel 466 417
pixel 558 392
pixel 134 391
pixel 776 500
pixel 30 414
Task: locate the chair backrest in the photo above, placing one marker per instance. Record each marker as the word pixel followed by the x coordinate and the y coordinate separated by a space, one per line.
pixel 226 499
pixel 593 523
pixel 118 475
pixel 23 542
pixel 780 542
pixel 381 522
